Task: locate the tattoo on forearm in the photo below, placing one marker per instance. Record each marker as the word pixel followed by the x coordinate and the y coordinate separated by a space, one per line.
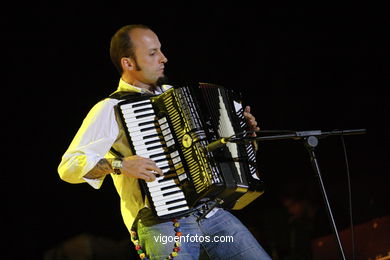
pixel 102 168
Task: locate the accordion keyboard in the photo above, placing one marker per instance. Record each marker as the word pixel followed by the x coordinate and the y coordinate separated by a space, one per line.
pixel 151 138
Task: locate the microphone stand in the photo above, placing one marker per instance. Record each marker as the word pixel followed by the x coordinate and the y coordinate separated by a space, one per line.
pixel 310 141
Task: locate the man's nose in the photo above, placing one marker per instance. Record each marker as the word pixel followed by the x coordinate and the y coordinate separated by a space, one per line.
pixel 163 58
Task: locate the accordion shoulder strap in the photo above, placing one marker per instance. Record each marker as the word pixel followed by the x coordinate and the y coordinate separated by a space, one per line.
pixel 120 95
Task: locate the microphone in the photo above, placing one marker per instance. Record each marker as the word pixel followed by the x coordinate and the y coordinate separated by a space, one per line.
pixel 216 144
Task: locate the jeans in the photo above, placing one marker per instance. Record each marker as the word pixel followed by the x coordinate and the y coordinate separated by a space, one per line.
pixel 221 236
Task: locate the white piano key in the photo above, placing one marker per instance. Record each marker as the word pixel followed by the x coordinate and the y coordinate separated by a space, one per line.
pixel 140 150
pixel 164 202
pixel 156 191
pixel 161 184
pixel 147 154
pixel 177 203
pixel 148 150
pixel 175 196
pixel 131 105
pixel 162 164
pixel 142 142
pixel 164 171
pixel 161 202
pixel 155 142
pixel 158 179
pixel 149 142
pixel 137 133
pixel 140 128
pixel 136 105
pixel 133 117
pixel 138 111
pixel 140 137
pixel 166 212
pixel 150 136
pixel 139 106
pixel 143 148
pixel 160 157
pixel 135 123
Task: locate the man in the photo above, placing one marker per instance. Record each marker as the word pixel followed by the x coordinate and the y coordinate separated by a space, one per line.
pixel 136 52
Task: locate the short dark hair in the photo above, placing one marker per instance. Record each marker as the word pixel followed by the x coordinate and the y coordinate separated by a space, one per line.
pixel 122 46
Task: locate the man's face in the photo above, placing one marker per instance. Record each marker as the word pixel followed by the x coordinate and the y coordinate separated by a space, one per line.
pixel 148 57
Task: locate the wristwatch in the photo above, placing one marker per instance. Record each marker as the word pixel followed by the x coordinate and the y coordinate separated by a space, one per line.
pixel 116 165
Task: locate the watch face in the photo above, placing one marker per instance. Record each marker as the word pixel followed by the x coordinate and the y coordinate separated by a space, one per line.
pixel 116 164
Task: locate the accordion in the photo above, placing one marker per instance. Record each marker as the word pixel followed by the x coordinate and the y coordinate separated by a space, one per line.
pixel 173 129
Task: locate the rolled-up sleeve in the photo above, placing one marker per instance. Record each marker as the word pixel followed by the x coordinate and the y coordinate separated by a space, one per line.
pixel 92 142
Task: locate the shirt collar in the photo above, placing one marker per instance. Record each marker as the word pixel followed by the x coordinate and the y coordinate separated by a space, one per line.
pixel 124 86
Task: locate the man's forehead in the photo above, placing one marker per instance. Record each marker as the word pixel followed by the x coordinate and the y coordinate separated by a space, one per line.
pixel 144 38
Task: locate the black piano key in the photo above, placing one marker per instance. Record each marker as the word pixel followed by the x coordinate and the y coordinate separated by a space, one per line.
pixel 154 147
pixel 161 160
pixel 166 179
pixel 147 123
pixel 144 115
pixel 176 207
pixel 168 187
pixel 147 128
pixel 158 155
pixel 142 110
pixel 141 104
pixel 173 201
pixel 172 192
pixel 149 136
pixel 170 175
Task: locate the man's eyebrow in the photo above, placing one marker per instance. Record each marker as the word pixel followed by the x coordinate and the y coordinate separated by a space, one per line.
pixel 155 48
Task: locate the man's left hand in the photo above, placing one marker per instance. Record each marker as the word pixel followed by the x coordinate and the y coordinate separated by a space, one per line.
pixel 251 120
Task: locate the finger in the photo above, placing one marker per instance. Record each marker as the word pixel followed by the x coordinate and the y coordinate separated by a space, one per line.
pixel 253 123
pixel 248 116
pixel 247 109
pixel 148 160
pixel 154 168
pixel 148 176
pixel 256 129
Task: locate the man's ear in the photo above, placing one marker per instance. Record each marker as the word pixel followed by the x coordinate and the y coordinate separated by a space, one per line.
pixel 127 63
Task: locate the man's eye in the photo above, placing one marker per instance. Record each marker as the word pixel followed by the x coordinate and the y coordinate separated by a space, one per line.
pixel 152 53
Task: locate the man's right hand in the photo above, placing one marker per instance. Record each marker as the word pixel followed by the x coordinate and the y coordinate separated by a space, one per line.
pixel 139 167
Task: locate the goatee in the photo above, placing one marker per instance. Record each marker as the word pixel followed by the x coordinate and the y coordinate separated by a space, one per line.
pixel 162 81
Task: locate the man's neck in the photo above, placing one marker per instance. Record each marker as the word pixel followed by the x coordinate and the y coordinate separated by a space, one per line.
pixel 137 83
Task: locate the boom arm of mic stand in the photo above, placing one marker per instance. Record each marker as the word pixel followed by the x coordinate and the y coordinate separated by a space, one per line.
pixel 311 141
pixel 297 135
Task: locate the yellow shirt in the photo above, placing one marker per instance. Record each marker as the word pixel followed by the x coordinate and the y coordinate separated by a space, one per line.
pixel 98 133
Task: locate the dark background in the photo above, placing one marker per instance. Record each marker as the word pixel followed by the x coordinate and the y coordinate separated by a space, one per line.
pixel 300 68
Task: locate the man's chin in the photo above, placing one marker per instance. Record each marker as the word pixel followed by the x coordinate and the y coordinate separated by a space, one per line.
pixel 161 81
